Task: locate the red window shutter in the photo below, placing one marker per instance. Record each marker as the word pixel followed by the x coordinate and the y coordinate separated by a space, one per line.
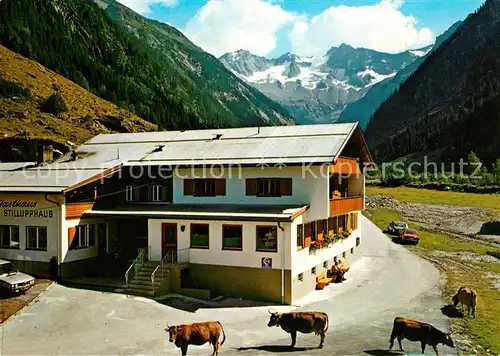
pixel 251 186
pixel 188 186
pixel 220 187
pixel 286 186
pixel 71 235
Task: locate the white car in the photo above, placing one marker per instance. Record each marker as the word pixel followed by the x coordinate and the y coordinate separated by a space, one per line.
pixel 13 281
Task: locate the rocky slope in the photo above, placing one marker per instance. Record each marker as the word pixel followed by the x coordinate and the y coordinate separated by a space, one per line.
pixel 317 89
pixel 451 104
pixel 145 66
pixel 23 120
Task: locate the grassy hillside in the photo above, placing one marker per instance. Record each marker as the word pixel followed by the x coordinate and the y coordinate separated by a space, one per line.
pixel 27 84
pixel 144 66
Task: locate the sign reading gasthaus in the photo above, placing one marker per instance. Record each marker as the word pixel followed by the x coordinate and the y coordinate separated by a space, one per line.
pixel 24 209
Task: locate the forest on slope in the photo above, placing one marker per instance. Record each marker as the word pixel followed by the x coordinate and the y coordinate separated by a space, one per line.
pixel 451 104
pixel 38 105
pixel 144 66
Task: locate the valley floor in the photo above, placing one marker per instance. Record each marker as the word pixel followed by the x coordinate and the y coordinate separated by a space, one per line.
pixel 449 223
pixel 386 281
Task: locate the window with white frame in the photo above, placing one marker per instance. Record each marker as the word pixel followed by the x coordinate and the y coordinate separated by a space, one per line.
pixel 156 193
pixel 84 237
pixel 36 238
pixel 9 236
pixel 130 193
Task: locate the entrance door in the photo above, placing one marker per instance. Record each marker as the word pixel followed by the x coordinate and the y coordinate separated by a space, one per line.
pixel 169 240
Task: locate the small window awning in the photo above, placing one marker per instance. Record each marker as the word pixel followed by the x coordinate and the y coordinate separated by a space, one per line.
pixel 233 212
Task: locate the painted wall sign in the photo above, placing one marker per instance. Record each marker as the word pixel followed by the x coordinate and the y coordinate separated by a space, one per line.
pixel 267 262
pixel 24 209
pixel 17 204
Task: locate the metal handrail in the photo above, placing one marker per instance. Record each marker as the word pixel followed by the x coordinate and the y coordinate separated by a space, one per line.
pixel 131 270
pixel 172 258
pixel 137 264
pixel 160 265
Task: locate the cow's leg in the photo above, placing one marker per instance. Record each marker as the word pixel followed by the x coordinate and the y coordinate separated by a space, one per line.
pixel 322 334
pixel 216 348
pixel 474 312
pixel 294 337
pixel 422 343
pixel 400 344
pixel 435 349
pixel 391 342
pixel 184 349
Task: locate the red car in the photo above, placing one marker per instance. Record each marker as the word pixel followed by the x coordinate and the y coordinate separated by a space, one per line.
pixel 410 236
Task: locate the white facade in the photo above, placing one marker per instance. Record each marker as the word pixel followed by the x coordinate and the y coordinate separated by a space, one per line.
pixel 215 254
pixel 31 210
pixel 309 186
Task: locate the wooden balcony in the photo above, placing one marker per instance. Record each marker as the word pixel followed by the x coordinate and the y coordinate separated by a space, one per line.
pixel 346 205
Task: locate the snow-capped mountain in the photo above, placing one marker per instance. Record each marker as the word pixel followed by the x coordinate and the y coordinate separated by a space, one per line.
pixel 317 89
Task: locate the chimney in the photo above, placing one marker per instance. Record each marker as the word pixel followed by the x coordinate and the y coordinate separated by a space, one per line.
pixel 47 154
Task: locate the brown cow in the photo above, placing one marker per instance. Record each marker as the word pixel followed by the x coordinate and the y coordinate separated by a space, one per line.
pixel 468 297
pixel 417 331
pixel 197 334
pixel 304 322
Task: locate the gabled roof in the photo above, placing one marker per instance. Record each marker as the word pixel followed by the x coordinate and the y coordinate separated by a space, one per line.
pixel 290 145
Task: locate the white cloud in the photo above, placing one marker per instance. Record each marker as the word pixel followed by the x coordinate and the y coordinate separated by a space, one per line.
pixel 381 26
pixel 222 26
pixel 144 6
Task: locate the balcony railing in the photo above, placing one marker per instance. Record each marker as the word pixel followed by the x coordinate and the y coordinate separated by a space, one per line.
pixel 346 205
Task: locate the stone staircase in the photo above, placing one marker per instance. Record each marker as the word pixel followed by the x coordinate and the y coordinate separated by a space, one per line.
pixel 141 283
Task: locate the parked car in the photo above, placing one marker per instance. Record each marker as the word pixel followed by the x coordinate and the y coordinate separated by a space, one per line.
pixel 13 281
pixel 396 227
pixel 410 236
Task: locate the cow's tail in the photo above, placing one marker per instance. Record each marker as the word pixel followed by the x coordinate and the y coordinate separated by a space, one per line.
pixel 327 323
pixel 223 334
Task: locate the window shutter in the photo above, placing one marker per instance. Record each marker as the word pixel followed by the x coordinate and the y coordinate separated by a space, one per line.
pixel 286 186
pixel 355 221
pixel 307 235
pixel 330 226
pixel 319 229
pixel 188 186
pixel 163 193
pixel 251 186
pixel 71 235
pixel 220 187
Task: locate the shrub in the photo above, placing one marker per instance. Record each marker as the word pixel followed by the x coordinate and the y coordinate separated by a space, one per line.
pixel 10 89
pixel 54 104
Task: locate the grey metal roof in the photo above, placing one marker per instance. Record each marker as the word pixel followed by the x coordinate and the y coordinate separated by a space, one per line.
pixel 283 213
pixel 12 166
pixel 253 146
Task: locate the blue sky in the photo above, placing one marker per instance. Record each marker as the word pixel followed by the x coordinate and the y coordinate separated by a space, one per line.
pixel 306 27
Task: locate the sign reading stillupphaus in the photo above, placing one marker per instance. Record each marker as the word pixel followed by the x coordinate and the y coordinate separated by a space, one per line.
pixel 23 209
